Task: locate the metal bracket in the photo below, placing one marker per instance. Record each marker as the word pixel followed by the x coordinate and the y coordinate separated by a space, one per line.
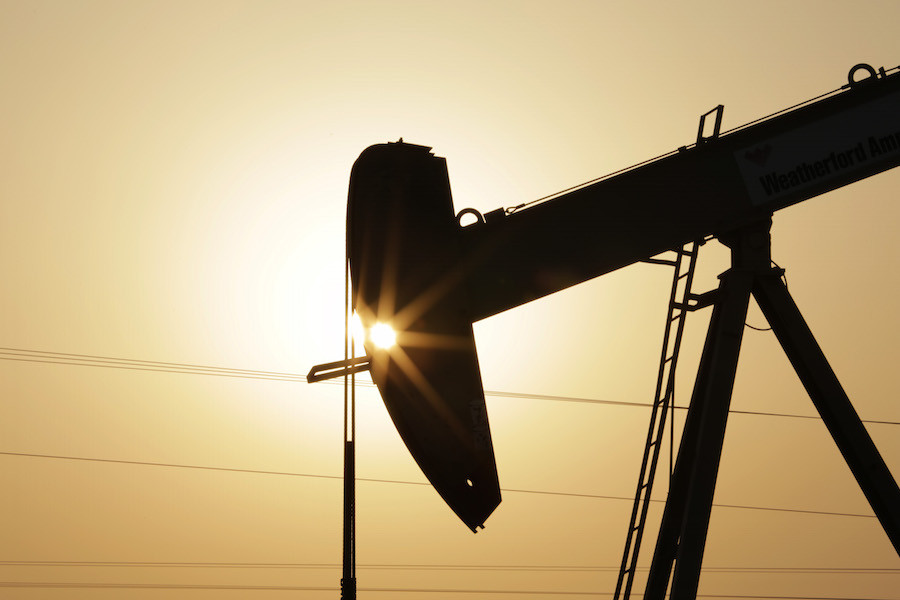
pixel 699 301
pixel 702 139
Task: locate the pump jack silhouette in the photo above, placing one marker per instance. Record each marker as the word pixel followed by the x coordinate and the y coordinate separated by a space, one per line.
pixel 414 266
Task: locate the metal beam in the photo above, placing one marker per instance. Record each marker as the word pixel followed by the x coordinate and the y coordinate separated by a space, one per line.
pixel 685 521
pixel 831 401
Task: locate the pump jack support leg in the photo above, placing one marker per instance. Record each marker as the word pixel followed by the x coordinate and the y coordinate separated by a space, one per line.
pixel 682 534
pixel 831 401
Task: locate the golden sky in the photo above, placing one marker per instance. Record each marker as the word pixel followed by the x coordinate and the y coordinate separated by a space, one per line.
pixel 173 190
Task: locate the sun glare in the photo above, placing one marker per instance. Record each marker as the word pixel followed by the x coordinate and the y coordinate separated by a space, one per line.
pixel 383 335
pixel 380 334
pixel 357 329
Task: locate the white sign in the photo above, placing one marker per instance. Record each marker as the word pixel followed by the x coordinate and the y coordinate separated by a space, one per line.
pixel 827 149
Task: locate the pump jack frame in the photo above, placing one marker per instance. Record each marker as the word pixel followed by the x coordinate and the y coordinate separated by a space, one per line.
pixel 685 521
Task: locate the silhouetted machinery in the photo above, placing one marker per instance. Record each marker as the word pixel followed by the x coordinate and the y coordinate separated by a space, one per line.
pixel 415 267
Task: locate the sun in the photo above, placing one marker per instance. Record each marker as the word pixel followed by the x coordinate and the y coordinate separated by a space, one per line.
pixel 382 335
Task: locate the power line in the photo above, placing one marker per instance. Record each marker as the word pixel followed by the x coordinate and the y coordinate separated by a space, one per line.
pixel 187 586
pixel 87 360
pixel 582 400
pixel 182 466
pixel 418 483
pixel 130 364
pixel 439 567
pixel 159 586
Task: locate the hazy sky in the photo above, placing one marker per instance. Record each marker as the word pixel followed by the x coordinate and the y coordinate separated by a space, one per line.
pixel 173 190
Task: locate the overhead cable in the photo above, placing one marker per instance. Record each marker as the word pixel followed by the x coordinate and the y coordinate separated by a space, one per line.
pixel 418 483
pixel 392 590
pixel 437 567
pixel 61 358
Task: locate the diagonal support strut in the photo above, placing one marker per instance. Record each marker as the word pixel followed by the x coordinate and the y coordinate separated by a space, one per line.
pixel 831 401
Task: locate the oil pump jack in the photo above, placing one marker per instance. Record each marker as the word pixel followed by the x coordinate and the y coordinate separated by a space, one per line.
pixel 413 265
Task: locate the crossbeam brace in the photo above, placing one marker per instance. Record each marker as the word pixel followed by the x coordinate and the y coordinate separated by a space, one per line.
pixel 339 368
